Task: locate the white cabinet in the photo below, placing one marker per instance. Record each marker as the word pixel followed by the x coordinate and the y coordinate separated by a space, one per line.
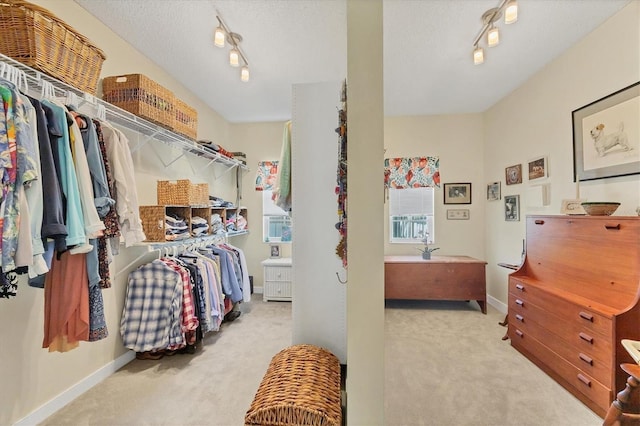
pixel 277 279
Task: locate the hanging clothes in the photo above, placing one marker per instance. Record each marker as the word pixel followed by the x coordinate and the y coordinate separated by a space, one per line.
pixel 282 191
pixel 126 195
pixel 66 307
pixel 112 227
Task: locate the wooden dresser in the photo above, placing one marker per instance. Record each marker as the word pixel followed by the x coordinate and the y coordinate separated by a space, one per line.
pixel 439 278
pixel 574 298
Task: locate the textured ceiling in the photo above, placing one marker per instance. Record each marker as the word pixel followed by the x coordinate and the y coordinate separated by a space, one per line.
pixel 427 48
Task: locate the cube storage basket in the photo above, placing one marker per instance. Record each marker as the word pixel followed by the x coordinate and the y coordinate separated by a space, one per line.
pixel 182 193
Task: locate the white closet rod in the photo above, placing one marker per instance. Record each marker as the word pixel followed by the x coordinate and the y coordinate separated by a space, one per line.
pixel 121 117
pixel 177 246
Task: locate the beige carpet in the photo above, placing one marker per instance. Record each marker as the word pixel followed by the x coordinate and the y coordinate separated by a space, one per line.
pixel 445 365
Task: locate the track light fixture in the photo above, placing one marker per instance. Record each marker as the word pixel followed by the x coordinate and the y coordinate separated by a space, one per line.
pixel 223 35
pixel 510 10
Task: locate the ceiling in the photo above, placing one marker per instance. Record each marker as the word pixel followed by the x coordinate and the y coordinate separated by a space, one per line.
pixel 428 68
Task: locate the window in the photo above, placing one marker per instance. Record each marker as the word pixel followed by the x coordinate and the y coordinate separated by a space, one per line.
pixel 276 223
pixel 411 214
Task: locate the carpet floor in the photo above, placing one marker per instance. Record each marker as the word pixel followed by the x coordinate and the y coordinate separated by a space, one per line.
pixel 445 364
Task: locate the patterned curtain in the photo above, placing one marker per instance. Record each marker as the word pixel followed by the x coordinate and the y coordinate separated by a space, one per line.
pixel 266 175
pixel 415 172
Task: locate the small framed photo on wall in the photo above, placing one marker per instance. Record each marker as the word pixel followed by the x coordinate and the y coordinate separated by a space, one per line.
pixel 457 193
pixel 538 168
pixel 493 191
pixel 513 174
pixel 458 214
pixel 275 251
pixel 512 208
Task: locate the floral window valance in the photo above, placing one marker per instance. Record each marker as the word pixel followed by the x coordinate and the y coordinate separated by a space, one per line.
pixel 266 175
pixel 414 172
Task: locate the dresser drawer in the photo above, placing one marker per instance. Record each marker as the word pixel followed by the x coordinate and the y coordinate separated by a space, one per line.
pixel 574 332
pixel 277 273
pixel 592 363
pixel 589 320
pixel 578 380
pixel 277 290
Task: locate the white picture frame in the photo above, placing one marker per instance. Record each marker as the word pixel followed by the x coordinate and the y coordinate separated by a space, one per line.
pixel 458 214
pixel 538 168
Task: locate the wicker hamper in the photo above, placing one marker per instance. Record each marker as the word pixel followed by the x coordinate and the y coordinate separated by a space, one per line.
pixel 36 37
pixel 182 193
pixel 186 122
pixel 141 96
pixel 301 387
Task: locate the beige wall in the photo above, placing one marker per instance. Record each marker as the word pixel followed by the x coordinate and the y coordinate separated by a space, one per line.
pixel 535 120
pixel 458 141
pixel 31 375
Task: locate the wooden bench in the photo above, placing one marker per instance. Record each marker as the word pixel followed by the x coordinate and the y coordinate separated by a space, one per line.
pixel 301 387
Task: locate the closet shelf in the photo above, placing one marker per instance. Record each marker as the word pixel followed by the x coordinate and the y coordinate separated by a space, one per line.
pixel 121 117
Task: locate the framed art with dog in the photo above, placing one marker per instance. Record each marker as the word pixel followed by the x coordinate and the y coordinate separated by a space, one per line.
pixel 606 136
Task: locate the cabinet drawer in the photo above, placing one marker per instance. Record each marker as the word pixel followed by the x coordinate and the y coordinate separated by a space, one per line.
pixel 574 332
pixel 277 290
pixel 578 380
pixel 589 320
pixel 277 273
pixel 592 363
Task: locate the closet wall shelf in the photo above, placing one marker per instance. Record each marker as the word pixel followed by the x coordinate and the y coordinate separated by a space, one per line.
pixel 121 117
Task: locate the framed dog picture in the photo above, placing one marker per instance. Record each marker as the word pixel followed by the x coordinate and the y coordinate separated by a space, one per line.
pixel 606 136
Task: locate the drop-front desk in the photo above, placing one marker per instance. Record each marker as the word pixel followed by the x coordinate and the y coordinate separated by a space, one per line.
pixel 439 278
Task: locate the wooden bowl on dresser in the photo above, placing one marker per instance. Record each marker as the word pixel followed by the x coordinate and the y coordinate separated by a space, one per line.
pixel 600 208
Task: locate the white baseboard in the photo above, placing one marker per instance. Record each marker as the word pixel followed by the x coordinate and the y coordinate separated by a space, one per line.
pixel 258 290
pixel 501 307
pixel 50 407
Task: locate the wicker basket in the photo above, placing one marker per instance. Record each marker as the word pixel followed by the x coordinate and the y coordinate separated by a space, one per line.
pixel 182 193
pixel 34 36
pixel 141 96
pixel 301 387
pixel 153 223
pixel 153 220
pixel 186 121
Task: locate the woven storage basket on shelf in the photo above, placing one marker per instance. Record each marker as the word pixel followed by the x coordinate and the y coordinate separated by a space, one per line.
pixel 141 96
pixel 301 387
pixel 36 37
pixel 182 193
pixel 153 224
pixel 186 122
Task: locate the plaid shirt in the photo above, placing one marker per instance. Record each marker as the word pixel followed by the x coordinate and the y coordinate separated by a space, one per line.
pixel 151 318
pixel 189 320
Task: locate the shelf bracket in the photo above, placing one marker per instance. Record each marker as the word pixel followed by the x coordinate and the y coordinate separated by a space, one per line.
pixel 145 141
pixel 227 170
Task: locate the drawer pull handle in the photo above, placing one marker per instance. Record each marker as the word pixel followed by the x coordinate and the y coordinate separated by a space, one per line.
pixel 519 318
pixel 519 302
pixel 539 222
pixel 520 287
pixel 586 359
pixel 587 316
pixel 616 226
pixel 586 337
pixel 584 380
pixel 519 333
